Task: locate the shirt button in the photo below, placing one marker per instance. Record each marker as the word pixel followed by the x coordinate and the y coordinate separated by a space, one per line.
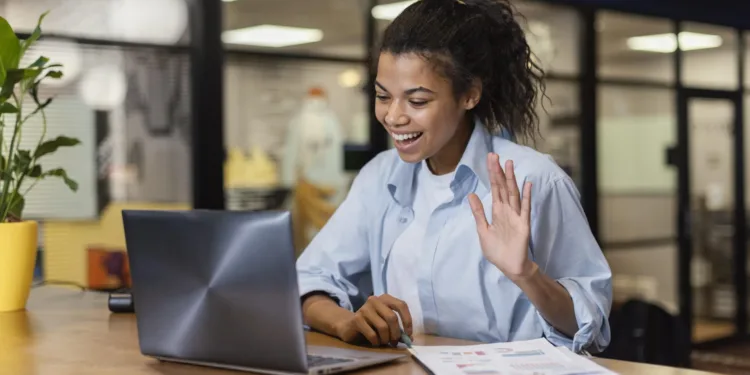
pixel 402 220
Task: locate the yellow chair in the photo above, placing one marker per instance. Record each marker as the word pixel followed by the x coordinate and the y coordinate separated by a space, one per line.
pixel 311 210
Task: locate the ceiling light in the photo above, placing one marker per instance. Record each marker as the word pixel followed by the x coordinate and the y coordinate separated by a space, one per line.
pixel 228 1
pixel 667 43
pixel 389 12
pixel 272 36
pixel 350 78
pixel 103 87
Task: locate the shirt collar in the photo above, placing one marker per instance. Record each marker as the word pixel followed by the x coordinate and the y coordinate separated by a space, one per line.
pixel 473 163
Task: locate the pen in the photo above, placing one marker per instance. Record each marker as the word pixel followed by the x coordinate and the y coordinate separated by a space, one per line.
pixel 405 339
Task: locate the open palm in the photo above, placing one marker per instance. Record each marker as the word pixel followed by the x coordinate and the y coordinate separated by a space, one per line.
pixel 505 241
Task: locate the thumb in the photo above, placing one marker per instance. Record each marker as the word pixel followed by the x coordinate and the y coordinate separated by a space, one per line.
pixel 478 210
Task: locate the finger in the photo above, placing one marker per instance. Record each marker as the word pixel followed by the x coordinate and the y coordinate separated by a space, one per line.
pixel 493 181
pixel 526 204
pixel 390 318
pixel 364 328
pixel 402 309
pixel 500 179
pixel 378 324
pixel 478 210
pixel 514 196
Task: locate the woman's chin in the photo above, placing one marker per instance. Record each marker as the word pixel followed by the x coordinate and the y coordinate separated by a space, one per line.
pixel 411 158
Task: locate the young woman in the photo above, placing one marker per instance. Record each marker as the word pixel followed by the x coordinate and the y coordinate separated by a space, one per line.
pixel 436 237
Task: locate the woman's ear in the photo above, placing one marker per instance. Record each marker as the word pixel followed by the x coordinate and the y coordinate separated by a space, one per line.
pixel 473 95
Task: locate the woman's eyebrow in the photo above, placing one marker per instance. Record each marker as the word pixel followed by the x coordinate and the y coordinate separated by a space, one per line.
pixel 408 91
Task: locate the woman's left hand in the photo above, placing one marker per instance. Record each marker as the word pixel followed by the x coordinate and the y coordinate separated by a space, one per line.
pixel 505 242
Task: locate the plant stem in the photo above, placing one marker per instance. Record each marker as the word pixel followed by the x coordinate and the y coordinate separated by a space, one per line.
pixel 2 138
pixel 31 164
pixel 2 141
pixel 44 135
pixel 6 184
pixel 28 189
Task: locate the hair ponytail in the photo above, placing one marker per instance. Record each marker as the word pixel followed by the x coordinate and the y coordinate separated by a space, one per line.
pixel 476 39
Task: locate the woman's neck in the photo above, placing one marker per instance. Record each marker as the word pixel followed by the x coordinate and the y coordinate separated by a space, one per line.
pixel 446 160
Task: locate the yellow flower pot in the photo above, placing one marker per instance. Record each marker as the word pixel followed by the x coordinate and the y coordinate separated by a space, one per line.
pixel 18 247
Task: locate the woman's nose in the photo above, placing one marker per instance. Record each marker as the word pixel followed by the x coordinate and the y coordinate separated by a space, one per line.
pixel 395 116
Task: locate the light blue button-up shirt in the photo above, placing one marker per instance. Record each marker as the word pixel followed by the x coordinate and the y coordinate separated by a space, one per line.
pixel 462 295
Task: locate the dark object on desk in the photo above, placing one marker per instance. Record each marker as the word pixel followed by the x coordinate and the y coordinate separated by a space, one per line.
pixel 121 302
pixel 108 269
pixel 646 333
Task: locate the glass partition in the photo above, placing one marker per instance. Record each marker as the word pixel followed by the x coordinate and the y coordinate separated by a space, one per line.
pixel 633 47
pixel 709 57
pixel 321 27
pixel 635 128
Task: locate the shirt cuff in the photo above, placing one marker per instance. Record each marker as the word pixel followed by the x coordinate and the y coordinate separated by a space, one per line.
pixel 322 284
pixel 589 336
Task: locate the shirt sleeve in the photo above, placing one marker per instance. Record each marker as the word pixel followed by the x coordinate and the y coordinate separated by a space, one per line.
pixel 565 249
pixel 337 260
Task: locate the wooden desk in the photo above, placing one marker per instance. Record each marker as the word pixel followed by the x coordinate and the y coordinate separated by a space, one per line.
pixel 68 332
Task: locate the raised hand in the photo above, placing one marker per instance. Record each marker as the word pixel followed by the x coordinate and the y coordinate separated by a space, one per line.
pixel 505 241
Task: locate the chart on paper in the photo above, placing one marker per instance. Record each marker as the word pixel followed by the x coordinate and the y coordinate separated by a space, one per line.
pixel 534 357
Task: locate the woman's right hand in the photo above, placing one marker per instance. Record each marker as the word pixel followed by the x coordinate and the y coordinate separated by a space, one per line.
pixel 377 321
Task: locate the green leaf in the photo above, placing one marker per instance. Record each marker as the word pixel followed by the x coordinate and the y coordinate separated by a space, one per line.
pixel 35 171
pixel 62 174
pixel 8 108
pixel 23 161
pixel 6 175
pixel 31 73
pixel 39 63
pixel 10 47
pixel 34 35
pixel 35 93
pixel 17 204
pixel 13 77
pixel 51 146
pixel 3 74
pixel 56 74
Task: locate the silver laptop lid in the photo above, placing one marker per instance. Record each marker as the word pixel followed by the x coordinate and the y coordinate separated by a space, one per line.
pixel 217 287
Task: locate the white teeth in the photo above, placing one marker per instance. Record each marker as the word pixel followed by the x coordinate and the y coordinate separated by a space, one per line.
pixel 403 137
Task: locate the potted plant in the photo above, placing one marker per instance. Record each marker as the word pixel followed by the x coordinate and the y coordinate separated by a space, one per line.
pixel 20 168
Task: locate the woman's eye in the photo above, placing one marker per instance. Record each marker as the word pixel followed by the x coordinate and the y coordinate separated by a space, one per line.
pixel 382 97
pixel 418 103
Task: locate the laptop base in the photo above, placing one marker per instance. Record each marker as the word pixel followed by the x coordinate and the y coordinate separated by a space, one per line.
pixel 356 359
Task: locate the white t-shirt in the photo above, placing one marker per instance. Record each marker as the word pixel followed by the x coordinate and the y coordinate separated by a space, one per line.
pixel 401 279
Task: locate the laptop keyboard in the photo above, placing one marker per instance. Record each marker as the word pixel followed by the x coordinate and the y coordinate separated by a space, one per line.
pixel 317 360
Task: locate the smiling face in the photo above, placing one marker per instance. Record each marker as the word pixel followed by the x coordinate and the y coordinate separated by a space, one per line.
pixel 418 108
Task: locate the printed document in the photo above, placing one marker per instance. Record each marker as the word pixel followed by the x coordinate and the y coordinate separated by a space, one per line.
pixel 533 357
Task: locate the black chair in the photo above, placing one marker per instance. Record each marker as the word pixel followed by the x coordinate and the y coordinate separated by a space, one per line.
pixel 646 333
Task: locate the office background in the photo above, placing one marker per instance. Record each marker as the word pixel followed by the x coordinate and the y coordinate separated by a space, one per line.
pixel 649 125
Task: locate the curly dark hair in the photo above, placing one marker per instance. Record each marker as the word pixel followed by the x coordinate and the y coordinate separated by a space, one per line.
pixel 476 39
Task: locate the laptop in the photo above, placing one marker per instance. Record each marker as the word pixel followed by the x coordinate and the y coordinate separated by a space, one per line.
pixel 219 289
